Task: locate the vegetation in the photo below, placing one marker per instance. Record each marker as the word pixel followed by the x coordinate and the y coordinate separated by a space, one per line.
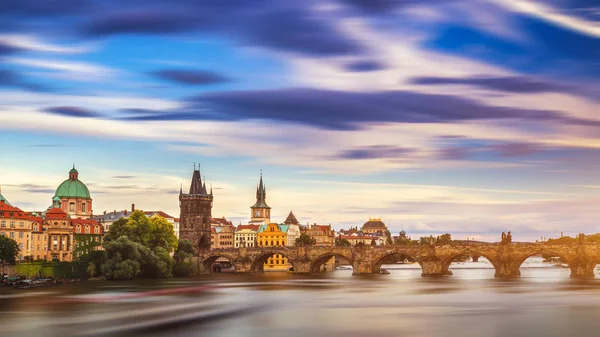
pixel 305 240
pixel 183 266
pixel 342 242
pixel 139 246
pixel 9 250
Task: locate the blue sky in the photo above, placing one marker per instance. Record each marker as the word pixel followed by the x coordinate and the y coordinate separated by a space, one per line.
pixel 469 117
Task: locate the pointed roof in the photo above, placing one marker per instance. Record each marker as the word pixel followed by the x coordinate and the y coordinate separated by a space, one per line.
pixel 2 198
pixel 197 186
pixel 291 219
pixel 261 195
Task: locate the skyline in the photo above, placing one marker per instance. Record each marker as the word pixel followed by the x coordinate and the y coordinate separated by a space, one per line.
pixel 435 116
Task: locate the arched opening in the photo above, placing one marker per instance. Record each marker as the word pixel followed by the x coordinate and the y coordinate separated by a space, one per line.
pixel 272 262
pixel 330 262
pixel 218 264
pixel 544 266
pixel 470 265
pixel 397 263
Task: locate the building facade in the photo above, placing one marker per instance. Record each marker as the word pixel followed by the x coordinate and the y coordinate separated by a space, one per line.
pixel 271 235
pixel 88 236
pixel 74 197
pixel 324 235
pixel 260 212
pixel 195 213
pixel 59 233
pixel 245 236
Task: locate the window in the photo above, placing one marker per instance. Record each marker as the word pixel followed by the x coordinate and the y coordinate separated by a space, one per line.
pixel 12 224
pixel 3 224
pixel 20 246
pixel 20 235
pixel 72 207
pixel 96 230
pixel 21 224
pixel 36 227
pixel 12 235
pixel 83 207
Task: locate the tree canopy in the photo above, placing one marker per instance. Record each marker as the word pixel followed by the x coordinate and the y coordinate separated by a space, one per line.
pixel 9 250
pixel 150 232
pixel 342 242
pixel 305 240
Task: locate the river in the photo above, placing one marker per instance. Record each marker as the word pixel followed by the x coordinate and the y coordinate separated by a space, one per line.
pixel 543 302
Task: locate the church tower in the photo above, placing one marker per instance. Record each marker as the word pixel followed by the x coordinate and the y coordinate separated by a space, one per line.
pixel 196 212
pixel 260 211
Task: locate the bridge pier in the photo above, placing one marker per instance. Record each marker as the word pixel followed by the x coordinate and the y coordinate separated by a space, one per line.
pixel 301 267
pixel 475 257
pixel 242 266
pixel 362 268
pixel 507 270
pixel 434 268
pixel 582 269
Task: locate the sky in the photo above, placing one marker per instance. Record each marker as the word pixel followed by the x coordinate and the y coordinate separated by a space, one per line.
pixel 468 117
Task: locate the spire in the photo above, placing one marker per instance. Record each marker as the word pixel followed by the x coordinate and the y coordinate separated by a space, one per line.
pixel 210 189
pixel 291 219
pixel 180 188
pixel 196 185
pixel 204 186
pixel 261 194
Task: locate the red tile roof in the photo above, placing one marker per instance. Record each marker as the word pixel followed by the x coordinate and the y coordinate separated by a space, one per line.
pixel 160 213
pixel 251 227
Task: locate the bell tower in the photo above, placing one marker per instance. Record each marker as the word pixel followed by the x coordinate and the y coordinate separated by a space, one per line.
pixel 260 212
pixel 196 212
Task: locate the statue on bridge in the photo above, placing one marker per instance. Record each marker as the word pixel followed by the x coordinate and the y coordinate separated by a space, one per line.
pixel 506 238
pixel 580 238
pixel 431 240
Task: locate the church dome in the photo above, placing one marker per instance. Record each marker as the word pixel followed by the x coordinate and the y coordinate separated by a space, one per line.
pixel 374 224
pixel 73 187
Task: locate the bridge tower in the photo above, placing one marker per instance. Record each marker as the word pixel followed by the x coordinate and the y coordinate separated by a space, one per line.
pixel 260 211
pixel 196 212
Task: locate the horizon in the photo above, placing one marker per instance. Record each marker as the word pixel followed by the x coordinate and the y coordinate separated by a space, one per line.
pixel 435 116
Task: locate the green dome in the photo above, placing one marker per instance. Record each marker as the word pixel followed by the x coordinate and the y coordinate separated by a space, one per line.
pixel 73 170
pixel 72 188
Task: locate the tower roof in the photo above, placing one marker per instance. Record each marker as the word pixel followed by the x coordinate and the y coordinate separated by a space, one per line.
pixel 261 195
pixel 197 186
pixel 2 198
pixel 291 219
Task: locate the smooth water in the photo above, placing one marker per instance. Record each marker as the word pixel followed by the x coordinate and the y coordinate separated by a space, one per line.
pixel 543 302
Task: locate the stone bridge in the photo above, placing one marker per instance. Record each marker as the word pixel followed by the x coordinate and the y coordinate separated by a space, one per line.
pixel 434 260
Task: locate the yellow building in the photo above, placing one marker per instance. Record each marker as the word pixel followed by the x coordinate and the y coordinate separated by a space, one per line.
pixel 273 235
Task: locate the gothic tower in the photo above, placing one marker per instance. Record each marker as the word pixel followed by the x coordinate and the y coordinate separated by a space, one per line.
pixel 196 212
pixel 260 211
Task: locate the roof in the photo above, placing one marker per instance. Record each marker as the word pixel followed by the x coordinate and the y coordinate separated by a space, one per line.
pixel 159 213
pixel 72 188
pixel 284 228
pixel 250 227
pixel 196 186
pixel 261 195
pixel 111 216
pixel 56 214
pixel 2 198
pixel 291 219
pixel 374 224
pixel 221 221
pixel 355 237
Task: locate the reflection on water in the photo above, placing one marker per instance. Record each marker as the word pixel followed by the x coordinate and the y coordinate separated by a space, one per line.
pixel 543 302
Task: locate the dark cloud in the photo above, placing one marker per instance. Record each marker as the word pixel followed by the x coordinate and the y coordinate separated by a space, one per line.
pixel 7 49
pixel 345 110
pixel 455 153
pixel 280 25
pixel 33 188
pixel 191 77
pixel 364 66
pixel 516 149
pixel 71 111
pixel 11 79
pixel 375 152
pixel 513 84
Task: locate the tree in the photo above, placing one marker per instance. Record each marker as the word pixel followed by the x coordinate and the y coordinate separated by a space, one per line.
pixel 183 266
pixel 444 239
pixel 150 232
pixel 9 250
pixel 305 240
pixel 342 242
pixel 128 259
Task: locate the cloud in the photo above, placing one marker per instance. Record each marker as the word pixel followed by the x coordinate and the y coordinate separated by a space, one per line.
pixel 123 177
pixel 71 111
pixel 375 152
pixel 364 66
pixel 455 153
pixel 516 149
pixel 12 79
pixel 514 84
pixel 191 77
pixel 34 43
pixel 285 26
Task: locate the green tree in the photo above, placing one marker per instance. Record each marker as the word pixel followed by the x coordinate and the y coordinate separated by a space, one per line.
pixel 9 250
pixel 149 232
pixel 342 242
pixel 305 240
pixel 123 259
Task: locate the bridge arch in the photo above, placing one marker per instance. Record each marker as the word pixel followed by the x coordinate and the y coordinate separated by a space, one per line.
pixel 209 262
pixel 315 265
pixel 447 262
pixel 571 261
pixel 262 258
pixel 380 259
